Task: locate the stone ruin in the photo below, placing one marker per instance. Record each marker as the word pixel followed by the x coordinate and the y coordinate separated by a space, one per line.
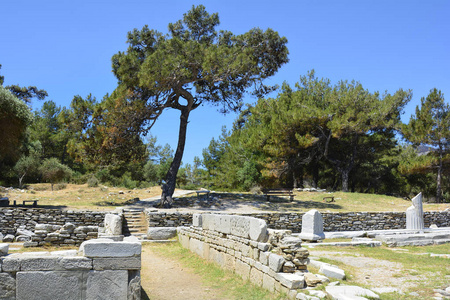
pixel 100 269
pixel 414 214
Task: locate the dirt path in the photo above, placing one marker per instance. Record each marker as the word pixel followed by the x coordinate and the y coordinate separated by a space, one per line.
pixel 164 278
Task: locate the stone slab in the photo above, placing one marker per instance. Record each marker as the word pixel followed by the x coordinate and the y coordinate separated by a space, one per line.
pixel 76 263
pixel 258 230
pixel 161 233
pixel 113 224
pixel 108 285
pixel 346 291
pixel 197 220
pixel 63 285
pixel 105 248
pixel 331 271
pixel 291 281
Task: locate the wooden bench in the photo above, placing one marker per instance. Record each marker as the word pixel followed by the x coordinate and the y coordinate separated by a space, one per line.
pixel 4 201
pixel 31 201
pixel 279 193
pixel 206 192
pixel 328 199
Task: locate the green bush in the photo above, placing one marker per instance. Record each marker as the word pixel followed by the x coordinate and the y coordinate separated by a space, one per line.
pixel 92 181
pixel 60 186
pixel 127 182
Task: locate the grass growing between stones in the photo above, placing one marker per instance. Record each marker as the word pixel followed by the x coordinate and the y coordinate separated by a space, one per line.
pixel 419 272
pixel 225 284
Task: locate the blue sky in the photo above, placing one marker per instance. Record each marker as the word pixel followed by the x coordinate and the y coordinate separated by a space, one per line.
pixel 65 47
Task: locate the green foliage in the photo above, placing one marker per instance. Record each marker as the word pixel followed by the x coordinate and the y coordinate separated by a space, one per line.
pixel 430 126
pixel 28 165
pixel 93 182
pixel 191 65
pixel 15 116
pixel 53 171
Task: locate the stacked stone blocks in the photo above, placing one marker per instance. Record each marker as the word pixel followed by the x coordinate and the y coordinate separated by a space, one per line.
pixel 101 269
pixel 66 235
pixel 243 245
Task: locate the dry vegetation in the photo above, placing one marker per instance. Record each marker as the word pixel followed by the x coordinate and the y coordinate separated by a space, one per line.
pixel 71 196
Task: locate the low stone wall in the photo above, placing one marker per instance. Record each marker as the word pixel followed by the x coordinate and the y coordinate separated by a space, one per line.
pixel 243 245
pixel 57 235
pixel 350 221
pixel 12 218
pixel 101 269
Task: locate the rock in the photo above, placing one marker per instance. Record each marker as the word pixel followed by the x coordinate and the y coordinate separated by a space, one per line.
pixel 161 233
pixel 318 294
pixel 23 238
pixel 302 296
pixel 347 291
pixel 291 281
pixel 113 224
pixel 332 271
pixel 1 237
pixel 414 294
pixel 276 262
pixel 312 226
pixel 9 238
pixel 288 267
pixel 4 249
pixel 323 279
pixel 312 280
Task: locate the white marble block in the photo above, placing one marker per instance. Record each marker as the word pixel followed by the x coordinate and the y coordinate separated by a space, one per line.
pixel 414 214
pixel 312 226
pixel 113 224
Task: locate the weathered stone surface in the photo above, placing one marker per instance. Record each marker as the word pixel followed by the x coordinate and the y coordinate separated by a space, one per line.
pixel 268 282
pixel 256 277
pixel 126 263
pixel 302 296
pixel 264 258
pixel 75 263
pixel 223 223
pixel 331 271
pixel 113 224
pixel 161 233
pixel 242 269
pixel 49 285
pixel 197 220
pixel 240 226
pixel 9 238
pixel 107 285
pixel 196 246
pixel 105 248
pixel 346 292
pixel 258 230
pixel 40 263
pixel 4 248
pixel 10 264
pixel 414 214
pixel 7 287
pixel 311 279
pixel 134 286
pixel 312 226
pixel 291 281
pixel 64 253
pixel 276 262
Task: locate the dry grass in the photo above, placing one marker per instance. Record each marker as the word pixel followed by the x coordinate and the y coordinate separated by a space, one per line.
pixel 73 196
pixel 80 196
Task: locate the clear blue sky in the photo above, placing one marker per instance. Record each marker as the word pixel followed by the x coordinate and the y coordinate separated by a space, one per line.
pixel 65 47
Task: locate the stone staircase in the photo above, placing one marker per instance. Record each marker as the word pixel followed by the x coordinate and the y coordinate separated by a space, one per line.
pixel 134 222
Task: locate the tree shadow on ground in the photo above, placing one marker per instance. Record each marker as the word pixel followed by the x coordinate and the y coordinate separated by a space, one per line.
pixel 230 201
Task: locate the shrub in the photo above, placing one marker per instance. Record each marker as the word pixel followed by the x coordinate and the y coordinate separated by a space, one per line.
pixel 92 182
pixel 60 186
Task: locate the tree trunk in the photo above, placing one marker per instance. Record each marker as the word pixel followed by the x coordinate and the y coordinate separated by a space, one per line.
pixel 439 177
pixel 171 177
pixel 345 175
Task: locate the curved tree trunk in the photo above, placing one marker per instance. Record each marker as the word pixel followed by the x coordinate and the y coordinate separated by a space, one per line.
pixel 171 177
pixel 439 176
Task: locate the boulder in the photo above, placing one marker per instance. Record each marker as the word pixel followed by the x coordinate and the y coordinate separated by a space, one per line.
pixel 161 233
pixel 9 238
pixel 4 249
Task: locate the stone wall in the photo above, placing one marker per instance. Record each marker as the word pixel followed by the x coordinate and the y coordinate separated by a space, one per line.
pixel 244 246
pixel 101 269
pixel 350 221
pixel 57 235
pixel 12 218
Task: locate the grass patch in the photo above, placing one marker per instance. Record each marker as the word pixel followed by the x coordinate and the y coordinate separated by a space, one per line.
pixel 228 284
